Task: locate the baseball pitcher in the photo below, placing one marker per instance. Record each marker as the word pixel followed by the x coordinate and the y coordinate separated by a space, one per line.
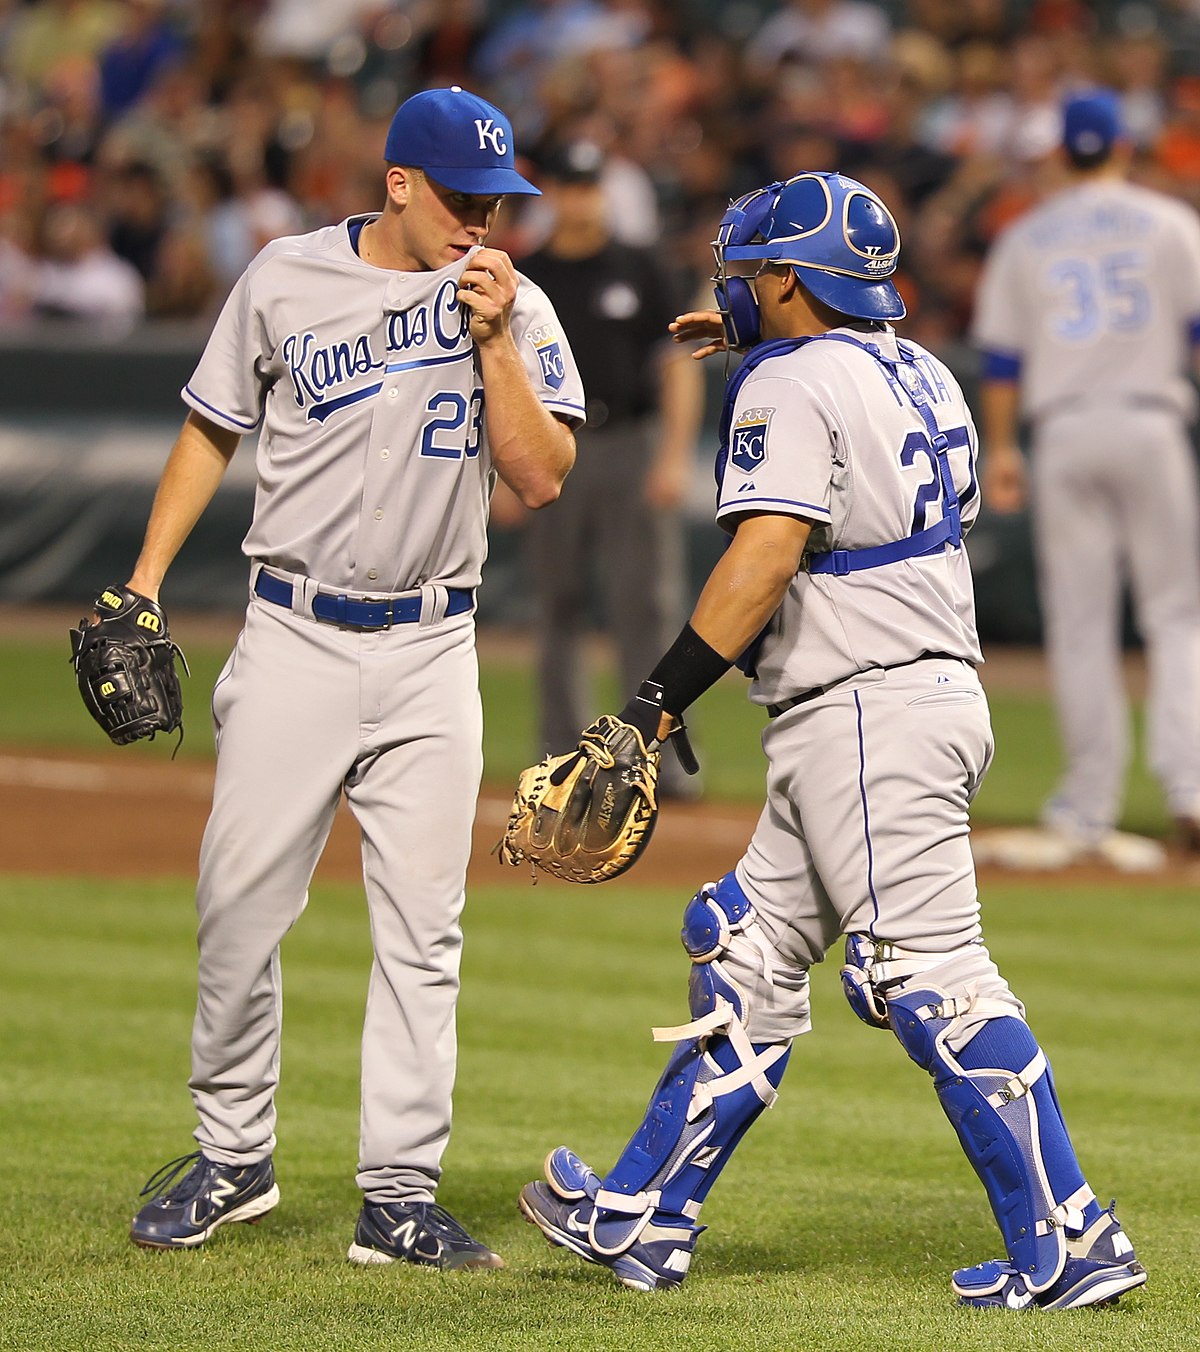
pixel 847 483
pixel 393 365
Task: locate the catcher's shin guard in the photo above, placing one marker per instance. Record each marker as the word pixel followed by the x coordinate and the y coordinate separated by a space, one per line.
pixel 715 1085
pixel 998 1093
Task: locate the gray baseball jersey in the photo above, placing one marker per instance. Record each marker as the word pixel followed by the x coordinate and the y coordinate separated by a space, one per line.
pixel 1092 301
pixel 349 364
pixel 821 434
pixel 374 476
pixel 1097 290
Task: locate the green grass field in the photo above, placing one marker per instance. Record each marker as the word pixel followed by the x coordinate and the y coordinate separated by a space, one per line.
pixel 836 1226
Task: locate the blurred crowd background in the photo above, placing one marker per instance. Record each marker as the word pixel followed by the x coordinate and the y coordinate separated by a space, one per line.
pixel 148 148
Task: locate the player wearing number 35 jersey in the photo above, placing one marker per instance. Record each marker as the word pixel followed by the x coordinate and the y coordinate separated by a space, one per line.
pixel 847 483
pixel 394 366
pixel 1087 314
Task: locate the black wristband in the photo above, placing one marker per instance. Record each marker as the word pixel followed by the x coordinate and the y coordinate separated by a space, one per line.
pixel 687 669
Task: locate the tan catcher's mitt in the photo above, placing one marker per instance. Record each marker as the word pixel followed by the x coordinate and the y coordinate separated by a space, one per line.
pixel 586 816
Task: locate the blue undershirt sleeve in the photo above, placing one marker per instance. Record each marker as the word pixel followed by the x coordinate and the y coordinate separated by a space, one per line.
pixel 1000 366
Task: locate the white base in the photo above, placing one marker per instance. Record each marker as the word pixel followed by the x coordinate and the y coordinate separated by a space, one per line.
pixel 1043 848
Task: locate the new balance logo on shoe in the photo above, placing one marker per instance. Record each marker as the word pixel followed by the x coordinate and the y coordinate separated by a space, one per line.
pixel 193 1195
pixel 222 1190
pixel 422 1233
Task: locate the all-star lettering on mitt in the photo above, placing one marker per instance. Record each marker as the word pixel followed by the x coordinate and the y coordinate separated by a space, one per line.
pixel 125 666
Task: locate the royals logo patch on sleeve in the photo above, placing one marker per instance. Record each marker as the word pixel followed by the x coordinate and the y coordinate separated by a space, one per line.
pixel 549 355
pixel 748 445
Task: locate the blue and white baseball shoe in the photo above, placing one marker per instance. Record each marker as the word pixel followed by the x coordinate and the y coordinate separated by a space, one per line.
pixel 422 1233
pixel 563 1208
pixel 183 1211
pixel 1100 1267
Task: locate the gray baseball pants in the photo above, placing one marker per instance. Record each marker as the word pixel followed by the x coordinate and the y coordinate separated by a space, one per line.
pixel 865 828
pixel 1116 499
pixel 306 711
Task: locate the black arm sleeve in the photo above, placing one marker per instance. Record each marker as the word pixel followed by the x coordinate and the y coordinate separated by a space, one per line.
pixel 686 670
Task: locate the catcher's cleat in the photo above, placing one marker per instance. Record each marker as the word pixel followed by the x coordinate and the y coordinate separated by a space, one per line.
pixel 183 1212
pixel 563 1209
pixel 1100 1267
pixel 422 1233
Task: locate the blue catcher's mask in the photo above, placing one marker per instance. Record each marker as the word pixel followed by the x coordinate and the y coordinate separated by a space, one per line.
pixel 834 231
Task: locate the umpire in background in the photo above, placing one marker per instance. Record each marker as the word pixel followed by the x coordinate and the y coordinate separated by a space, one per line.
pixel 622 507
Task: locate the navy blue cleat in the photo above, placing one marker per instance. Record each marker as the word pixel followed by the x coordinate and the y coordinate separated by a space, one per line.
pixel 1100 1267
pixel 422 1233
pixel 183 1211
pixel 564 1209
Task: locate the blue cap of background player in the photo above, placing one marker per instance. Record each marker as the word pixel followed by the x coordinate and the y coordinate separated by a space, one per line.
pixel 1091 124
pixel 460 140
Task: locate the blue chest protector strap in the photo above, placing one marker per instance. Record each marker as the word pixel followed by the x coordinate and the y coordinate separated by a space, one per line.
pixel 909 385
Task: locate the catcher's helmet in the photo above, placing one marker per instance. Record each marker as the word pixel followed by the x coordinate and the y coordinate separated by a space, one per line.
pixel 837 234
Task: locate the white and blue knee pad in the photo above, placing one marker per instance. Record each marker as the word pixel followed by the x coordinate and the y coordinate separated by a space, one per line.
pixel 715 1085
pixel 994 1084
pixel 861 982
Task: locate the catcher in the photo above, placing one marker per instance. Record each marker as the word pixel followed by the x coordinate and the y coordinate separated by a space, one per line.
pixel 847 481
pixel 124 660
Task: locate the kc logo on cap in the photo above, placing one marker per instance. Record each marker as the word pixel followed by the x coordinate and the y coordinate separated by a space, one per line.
pixel 460 140
pixel 491 134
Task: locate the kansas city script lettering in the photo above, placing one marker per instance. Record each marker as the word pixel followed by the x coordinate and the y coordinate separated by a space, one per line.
pixel 318 369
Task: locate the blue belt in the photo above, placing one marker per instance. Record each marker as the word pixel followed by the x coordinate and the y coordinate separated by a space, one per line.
pixel 356 614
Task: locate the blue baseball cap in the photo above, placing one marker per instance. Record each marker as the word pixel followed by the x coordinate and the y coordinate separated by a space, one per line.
pixel 1092 122
pixel 462 141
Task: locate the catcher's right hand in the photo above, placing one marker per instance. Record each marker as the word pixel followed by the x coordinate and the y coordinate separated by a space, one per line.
pixel 586 817
pixel 125 666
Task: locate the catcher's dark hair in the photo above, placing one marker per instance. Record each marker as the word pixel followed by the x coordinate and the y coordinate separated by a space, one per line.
pixel 833 318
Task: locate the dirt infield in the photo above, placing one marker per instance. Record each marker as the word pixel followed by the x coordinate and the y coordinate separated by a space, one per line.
pixel 112 813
